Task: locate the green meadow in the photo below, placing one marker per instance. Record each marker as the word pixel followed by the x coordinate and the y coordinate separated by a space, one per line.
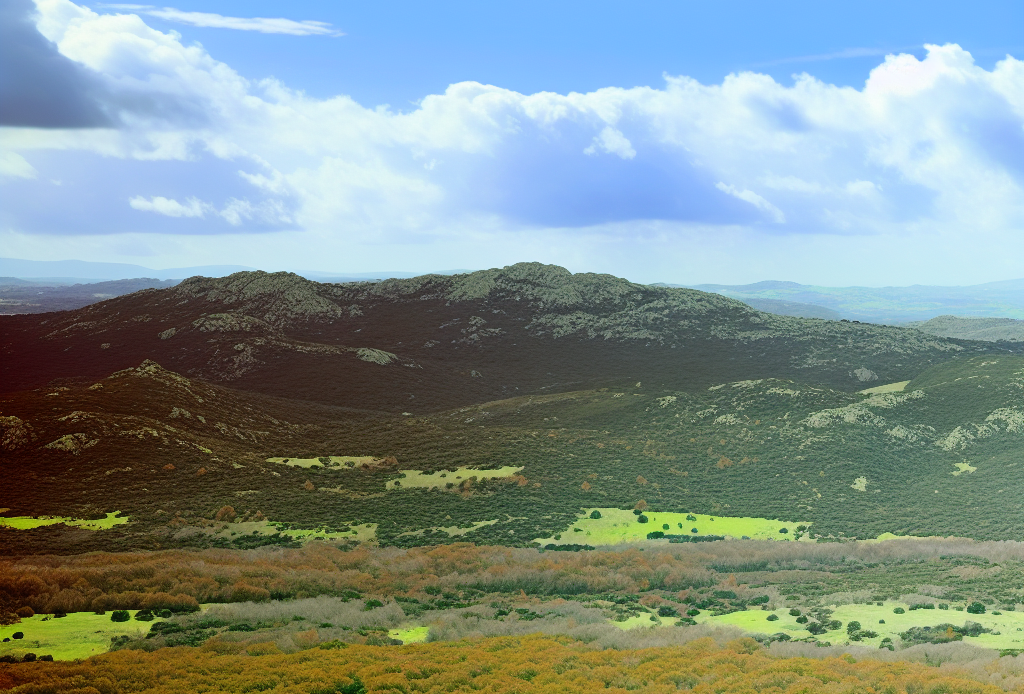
pixel 616 526
pixel 418 479
pixel 30 523
pixel 327 461
pixel 1007 628
pixel 79 635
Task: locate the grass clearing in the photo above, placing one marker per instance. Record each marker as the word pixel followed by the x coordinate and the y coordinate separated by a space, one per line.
pixel 961 468
pixel 640 621
pixel 359 532
pixel 416 634
pixel 328 461
pixel 417 479
pixel 29 523
pixel 451 530
pixel 79 635
pixel 887 388
pixel 1008 627
pixel 616 526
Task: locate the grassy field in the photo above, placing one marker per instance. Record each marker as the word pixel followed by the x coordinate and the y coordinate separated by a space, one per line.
pixel 79 635
pixel 362 532
pixel 414 634
pixel 1009 625
pixel 329 461
pixel 887 388
pixel 417 479
pixel 30 523
pixel 616 526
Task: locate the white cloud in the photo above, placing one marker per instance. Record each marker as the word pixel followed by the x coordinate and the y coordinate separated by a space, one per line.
pixel 754 199
pixel 611 141
pixel 14 165
pixel 171 208
pixel 265 25
pixel 928 144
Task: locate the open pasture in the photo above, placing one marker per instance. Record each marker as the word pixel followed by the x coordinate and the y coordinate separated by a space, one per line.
pixel 78 635
pixel 30 523
pixel 616 526
pixel 417 479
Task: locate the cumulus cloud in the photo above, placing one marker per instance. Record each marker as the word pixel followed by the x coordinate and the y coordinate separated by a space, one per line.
pixel 935 143
pixel 40 87
pixel 264 25
pixel 168 207
pixel 754 199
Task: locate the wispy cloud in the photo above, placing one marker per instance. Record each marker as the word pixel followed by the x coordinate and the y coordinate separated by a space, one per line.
pixel 265 25
pixel 846 53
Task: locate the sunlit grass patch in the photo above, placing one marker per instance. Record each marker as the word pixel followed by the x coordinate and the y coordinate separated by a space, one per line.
pixel 616 526
pixel 417 634
pixel 328 461
pixel 887 388
pixel 417 479
pixel 29 523
pixel 358 532
pixel 78 635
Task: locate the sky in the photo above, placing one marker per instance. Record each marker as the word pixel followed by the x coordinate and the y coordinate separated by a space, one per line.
pixel 683 142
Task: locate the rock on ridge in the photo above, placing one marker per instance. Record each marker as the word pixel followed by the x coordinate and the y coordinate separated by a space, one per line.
pixel 275 297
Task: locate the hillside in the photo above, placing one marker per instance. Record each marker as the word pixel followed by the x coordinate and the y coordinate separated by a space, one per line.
pixel 988 329
pixel 169 452
pixel 432 342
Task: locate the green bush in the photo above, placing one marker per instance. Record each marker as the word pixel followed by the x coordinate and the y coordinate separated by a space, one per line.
pixel 773 617
pixel 642 518
pixel 794 612
pixel 595 514
pixel 144 616
pixel 120 616
pixel 976 608
pixel 898 610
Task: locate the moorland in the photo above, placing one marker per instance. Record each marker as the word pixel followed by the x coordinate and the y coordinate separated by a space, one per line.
pixel 650 488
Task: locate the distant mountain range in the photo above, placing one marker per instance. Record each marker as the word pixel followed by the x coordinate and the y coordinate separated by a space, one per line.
pixel 65 272
pixel 891 305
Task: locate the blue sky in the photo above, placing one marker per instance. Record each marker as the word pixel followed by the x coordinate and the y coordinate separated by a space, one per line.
pixel 858 143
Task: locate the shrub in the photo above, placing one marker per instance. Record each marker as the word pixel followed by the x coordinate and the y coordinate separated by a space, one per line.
pixel 694 530
pixel 120 616
pixel 794 612
pixel 853 626
pixel 18 635
pixel 641 518
pixel 655 534
pixel 976 608
pixel 802 620
pixel 666 611
pixel 164 614
pixel 144 616
pixel 692 612
pixel 25 612
pixel 595 514
pixel 372 603
pixel 691 517
pixel 759 600
pixel 28 658
pixel 773 617
pixel 898 610
pixel 784 530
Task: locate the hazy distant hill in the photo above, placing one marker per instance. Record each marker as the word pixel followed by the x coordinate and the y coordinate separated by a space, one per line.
pixel 23 296
pixel 890 304
pixel 991 329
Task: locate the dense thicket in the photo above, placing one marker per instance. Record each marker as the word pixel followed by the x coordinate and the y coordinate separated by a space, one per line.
pixel 529 664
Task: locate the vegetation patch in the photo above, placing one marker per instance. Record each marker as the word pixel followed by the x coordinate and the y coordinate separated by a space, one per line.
pixel 29 523
pixel 335 462
pixel 78 635
pixel 418 479
pixel 615 526
pixel 887 388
